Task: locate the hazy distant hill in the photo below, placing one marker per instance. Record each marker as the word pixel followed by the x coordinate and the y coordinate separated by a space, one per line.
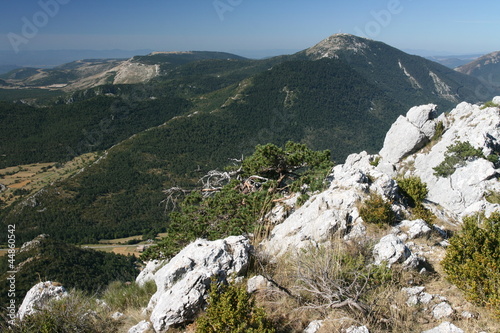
pixel 84 74
pixel 485 68
pixel 454 61
pixel 342 94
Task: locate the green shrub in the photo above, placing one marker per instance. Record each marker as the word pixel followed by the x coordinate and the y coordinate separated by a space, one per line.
pixel 413 188
pixel 489 104
pixel 457 155
pixel 121 296
pixel 472 261
pixel 378 211
pixel 493 197
pixel 375 162
pixel 231 309
pixel 439 130
pixel 76 313
pixel 416 191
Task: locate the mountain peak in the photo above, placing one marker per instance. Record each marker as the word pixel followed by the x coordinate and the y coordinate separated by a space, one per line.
pixel 328 47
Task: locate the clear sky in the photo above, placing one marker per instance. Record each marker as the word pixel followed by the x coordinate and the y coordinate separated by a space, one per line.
pixel 439 26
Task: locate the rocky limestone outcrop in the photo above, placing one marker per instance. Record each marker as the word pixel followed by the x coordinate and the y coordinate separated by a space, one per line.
pixel 408 134
pixel 466 187
pixel 334 210
pixel 33 243
pixel 39 296
pixel 182 284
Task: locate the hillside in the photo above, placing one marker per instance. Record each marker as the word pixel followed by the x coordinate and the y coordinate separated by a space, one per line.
pixel 400 75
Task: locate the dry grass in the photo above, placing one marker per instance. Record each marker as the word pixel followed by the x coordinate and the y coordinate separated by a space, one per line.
pixel 33 177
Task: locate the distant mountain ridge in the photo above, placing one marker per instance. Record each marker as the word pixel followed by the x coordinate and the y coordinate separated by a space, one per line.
pixel 485 68
pixel 85 74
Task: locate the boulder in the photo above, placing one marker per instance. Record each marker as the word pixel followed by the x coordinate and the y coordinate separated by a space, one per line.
pixel 257 283
pixel 117 316
pixel 415 229
pixel 390 249
pixel 183 283
pixel 442 310
pixel 142 327
pixel 147 274
pixel 445 327
pixel 39 296
pixel 408 134
pixel 496 100
pixel 422 115
pixel 314 326
pixel 357 329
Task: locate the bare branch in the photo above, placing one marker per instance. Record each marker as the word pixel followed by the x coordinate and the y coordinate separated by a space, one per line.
pixel 174 194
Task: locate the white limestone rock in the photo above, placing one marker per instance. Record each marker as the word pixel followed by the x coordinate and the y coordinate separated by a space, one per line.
pixel 182 284
pixel 415 229
pixel 496 100
pixel 314 326
pixel 334 210
pixel 39 296
pixel 117 315
pixel 357 329
pixel 148 273
pixel 390 249
pixel 445 327
pixel 421 115
pixel 257 283
pixel 408 134
pixel 462 190
pixel 142 327
pixel 442 310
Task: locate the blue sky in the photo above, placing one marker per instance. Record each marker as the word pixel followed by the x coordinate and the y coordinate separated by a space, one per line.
pixel 452 27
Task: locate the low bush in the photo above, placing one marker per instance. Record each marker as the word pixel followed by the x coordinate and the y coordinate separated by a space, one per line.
pixel 457 155
pixel 413 188
pixel 377 211
pixel 472 261
pixel 231 309
pixel 416 191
